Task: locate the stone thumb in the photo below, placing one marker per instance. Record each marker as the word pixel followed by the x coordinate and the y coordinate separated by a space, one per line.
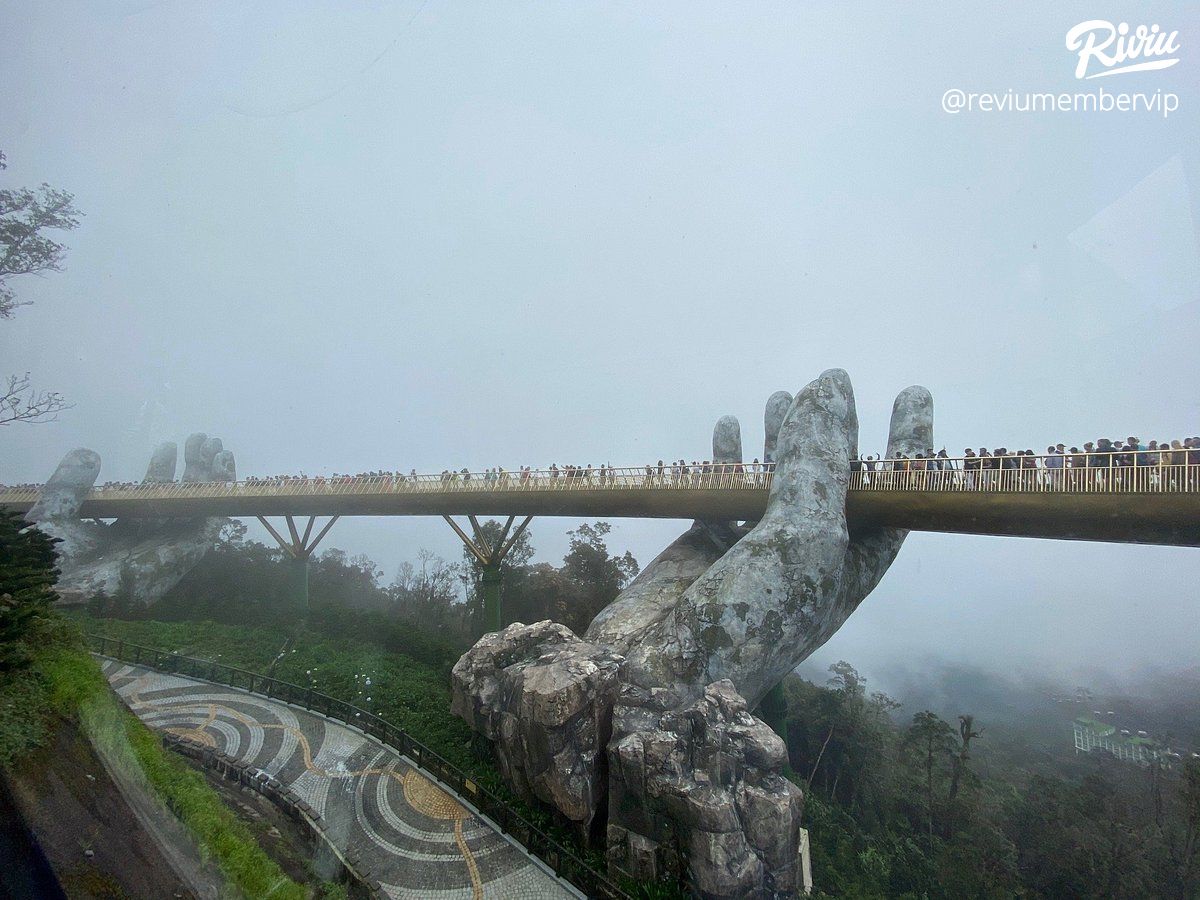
pixel 64 492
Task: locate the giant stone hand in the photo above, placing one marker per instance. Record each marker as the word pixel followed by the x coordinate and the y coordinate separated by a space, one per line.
pixel 137 559
pixel 781 591
pixel 647 718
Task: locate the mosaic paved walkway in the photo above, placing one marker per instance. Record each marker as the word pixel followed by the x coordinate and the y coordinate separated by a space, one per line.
pixel 417 839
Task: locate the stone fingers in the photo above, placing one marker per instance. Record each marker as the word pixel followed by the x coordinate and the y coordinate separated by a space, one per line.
pixel 660 585
pixel 777 408
pixel 194 467
pixel 911 430
pixel 208 452
pixel 758 610
pixel 224 467
pixel 871 553
pixel 161 469
pixel 812 454
pixel 205 459
pixel 727 440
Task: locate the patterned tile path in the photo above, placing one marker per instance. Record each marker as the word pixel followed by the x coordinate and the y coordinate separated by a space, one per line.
pixel 417 839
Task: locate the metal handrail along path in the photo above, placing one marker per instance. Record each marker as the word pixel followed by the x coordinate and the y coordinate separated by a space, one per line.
pixel 565 863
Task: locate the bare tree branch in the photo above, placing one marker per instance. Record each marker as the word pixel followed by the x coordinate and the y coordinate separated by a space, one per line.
pixel 20 402
pixel 25 216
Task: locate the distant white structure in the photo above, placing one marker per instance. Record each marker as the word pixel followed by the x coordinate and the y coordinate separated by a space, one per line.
pixel 1091 735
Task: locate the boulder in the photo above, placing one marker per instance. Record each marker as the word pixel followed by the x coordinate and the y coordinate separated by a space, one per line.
pixel 702 789
pixel 544 698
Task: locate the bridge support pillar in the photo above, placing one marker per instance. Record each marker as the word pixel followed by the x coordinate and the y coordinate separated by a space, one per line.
pixel 772 709
pixel 490 555
pixel 297 576
pixel 489 583
pixel 299 550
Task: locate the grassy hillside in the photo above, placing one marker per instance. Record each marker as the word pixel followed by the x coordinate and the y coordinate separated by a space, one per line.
pixel 62 682
pixel 408 693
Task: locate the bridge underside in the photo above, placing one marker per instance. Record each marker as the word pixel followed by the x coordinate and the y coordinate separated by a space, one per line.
pixel 1150 518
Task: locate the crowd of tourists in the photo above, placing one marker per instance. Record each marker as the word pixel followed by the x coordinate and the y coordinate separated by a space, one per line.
pixel 1107 460
pixel 1103 461
pixel 679 470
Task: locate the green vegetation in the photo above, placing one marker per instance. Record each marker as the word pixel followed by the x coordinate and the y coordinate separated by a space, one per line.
pixel 49 677
pixel 923 808
pixel 77 688
pixel 418 614
pixel 930 810
pixel 408 693
pixel 388 649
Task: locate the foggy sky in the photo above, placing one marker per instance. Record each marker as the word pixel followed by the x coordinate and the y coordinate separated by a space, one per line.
pixel 392 236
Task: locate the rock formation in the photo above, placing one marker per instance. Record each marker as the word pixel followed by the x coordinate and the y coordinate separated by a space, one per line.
pixel 138 560
pixel 703 786
pixel 678 660
pixel 544 698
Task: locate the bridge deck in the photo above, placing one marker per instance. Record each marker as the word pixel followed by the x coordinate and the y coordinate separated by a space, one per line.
pixel 1150 504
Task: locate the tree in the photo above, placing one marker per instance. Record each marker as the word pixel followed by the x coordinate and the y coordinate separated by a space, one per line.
pixel 596 576
pixel 1185 846
pixel 932 739
pixel 26 249
pixel 27 576
pixel 427 595
pixel 837 739
pixel 513 571
pixel 959 769
pixel 966 733
pixel 587 581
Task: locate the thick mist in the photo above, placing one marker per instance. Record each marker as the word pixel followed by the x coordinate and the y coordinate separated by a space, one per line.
pixel 444 235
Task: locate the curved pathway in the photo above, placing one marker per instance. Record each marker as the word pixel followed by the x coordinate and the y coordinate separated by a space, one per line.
pixel 416 838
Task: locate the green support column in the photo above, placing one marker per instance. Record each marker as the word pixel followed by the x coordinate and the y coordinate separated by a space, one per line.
pixel 297 568
pixel 297 552
pixel 489 585
pixel 489 553
pixel 772 709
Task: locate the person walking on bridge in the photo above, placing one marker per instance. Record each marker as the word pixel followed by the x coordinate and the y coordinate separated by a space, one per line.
pixel 971 465
pixel 1054 468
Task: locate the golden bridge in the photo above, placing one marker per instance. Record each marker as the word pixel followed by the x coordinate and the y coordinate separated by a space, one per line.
pixel 1100 501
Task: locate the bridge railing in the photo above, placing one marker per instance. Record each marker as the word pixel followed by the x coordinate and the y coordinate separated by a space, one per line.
pixel 565 863
pixel 1147 471
pixel 1143 472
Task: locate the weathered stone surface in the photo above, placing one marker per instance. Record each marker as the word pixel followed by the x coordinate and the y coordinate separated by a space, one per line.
pixel 707 780
pixel 778 405
pixel 787 586
pixel 712 624
pixel 660 585
pixel 656 590
pixel 138 560
pixel 61 497
pixel 727 440
pixel 544 697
